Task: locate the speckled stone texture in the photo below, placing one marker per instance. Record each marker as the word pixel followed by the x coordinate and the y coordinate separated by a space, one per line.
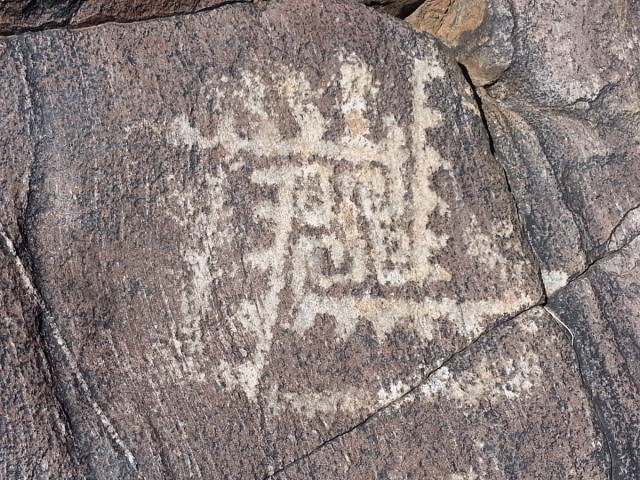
pixel 510 406
pixel 563 110
pixel 558 83
pixel 279 249
pixel 24 15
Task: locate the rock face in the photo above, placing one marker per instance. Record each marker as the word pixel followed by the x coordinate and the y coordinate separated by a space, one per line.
pixel 564 117
pixel 225 230
pixel 484 415
pixel 601 308
pixel 273 240
pixel 477 31
pixel 20 15
pixel 36 439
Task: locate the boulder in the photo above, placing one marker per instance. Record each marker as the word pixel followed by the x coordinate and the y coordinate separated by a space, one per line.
pixel 246 230
pixel 478 32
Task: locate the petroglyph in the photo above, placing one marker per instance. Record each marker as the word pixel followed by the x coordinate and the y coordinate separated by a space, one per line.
pixel 341 213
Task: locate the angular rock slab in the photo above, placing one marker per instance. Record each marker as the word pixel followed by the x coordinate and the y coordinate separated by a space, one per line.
pixel 602 309
pixel 478 32
pixel 252 227
pixel 511 406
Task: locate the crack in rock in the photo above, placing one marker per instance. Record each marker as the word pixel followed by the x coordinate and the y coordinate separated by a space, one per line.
pixel 50 322
pixel 398 401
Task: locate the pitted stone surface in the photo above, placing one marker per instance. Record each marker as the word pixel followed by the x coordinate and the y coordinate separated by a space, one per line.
pixel 486 414
pixel 601 309
pixel 251 228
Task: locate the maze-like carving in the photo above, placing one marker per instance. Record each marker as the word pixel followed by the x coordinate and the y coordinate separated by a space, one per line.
pixel 339 214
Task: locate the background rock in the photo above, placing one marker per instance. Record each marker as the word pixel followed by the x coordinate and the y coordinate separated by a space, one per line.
pixel 37 441
pixel 602 310
pixel 20 15
pixel 477 31
pixel 94 12
pixel 562 105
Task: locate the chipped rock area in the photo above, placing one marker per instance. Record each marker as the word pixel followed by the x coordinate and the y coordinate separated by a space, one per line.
pixel 276 240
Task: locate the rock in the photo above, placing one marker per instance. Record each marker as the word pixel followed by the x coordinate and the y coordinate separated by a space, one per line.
pixel 247 230
pixel 564 117
pixel 95 12
pixel 477 31
pixel 273 240
pixel 20 15
pixel 511 406
pixel 24 15
pixel 16 144
pixel 601 310
pixel 36 435
pixel 562 114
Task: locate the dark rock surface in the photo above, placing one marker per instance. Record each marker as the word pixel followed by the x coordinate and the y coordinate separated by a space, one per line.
pixel 602 309
pixel 22 15
pixel 277 240
pixel 563 110
pixel 510 406
pixel 36 439
pixel 28 15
